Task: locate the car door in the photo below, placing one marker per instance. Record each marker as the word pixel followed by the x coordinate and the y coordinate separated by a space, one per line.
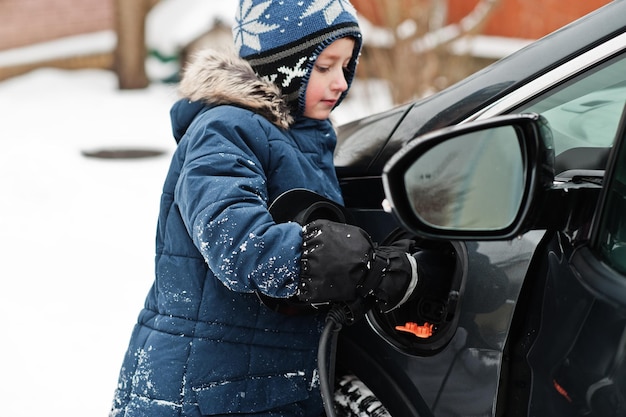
pixel 570 314
pixel 577 359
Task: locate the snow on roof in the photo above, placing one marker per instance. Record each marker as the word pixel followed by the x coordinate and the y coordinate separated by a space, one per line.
pixel 173 24
pixel 86 44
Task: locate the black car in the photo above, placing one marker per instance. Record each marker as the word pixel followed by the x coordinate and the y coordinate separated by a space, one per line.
pixel 516 179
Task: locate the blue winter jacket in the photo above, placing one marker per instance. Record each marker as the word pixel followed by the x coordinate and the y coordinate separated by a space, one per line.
pixel 204 344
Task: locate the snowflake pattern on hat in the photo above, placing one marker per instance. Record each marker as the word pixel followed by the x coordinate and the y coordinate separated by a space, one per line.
pixel 332 9
pixel 248 26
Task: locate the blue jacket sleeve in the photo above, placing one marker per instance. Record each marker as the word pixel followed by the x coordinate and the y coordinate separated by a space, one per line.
pixel 223 199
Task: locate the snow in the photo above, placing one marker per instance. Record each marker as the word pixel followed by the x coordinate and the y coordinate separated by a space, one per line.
pixel 77 235
pixel 185 20
pixel 89 43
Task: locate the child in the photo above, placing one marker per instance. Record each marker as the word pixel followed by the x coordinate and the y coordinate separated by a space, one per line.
pixel 250 128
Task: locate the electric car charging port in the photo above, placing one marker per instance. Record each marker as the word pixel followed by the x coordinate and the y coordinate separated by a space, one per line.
pixel 426 323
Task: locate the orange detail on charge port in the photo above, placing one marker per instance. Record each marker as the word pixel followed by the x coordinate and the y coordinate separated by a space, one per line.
pixel 561 390
pixel 423 331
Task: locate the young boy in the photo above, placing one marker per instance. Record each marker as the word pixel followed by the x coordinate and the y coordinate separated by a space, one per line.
pixel 249 129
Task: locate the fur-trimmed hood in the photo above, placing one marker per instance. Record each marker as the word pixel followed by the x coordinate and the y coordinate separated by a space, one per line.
pixel 215 77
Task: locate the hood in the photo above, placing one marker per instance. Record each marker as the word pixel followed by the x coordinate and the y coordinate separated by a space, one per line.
pixel 215 78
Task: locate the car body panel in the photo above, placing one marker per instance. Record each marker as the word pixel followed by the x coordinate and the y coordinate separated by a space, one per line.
pixel 463 378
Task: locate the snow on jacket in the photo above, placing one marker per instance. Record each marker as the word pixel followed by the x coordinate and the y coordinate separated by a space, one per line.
pixel 204 344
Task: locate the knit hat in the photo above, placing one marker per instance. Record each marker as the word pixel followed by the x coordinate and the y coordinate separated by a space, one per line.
pixel 281 39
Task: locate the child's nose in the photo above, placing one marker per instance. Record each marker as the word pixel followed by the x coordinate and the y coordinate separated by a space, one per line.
pixel 339 82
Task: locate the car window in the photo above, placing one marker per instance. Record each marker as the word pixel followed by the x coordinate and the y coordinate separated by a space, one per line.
pixel 585 112
pixel 611 245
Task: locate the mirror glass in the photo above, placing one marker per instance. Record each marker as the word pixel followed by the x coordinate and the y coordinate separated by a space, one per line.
pixel 470 182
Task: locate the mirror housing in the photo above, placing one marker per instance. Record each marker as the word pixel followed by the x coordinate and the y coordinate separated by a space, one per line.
pixel 485 180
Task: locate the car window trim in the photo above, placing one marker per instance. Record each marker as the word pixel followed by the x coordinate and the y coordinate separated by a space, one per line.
pixel 552 78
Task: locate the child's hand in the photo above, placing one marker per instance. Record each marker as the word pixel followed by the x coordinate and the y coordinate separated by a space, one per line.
pixel 341 263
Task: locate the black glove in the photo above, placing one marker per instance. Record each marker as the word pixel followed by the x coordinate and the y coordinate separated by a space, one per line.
pixel 341 263
pixel 400 276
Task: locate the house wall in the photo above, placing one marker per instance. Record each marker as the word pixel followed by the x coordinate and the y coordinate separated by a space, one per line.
pixel 526 19
pixel 26 22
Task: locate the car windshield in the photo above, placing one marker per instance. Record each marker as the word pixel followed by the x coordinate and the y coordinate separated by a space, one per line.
pixel 585 112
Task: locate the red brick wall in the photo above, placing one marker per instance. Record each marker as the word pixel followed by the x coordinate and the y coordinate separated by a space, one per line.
pixel 528 19
pixel 24 22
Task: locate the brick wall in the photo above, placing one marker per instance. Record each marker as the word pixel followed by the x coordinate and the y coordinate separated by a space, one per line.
pixel 25 22
pixel 529 19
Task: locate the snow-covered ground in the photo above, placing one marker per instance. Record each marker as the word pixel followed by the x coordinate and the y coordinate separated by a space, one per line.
pixel 77 233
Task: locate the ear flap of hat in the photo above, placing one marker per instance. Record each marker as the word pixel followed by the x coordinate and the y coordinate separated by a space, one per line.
pixel 349 71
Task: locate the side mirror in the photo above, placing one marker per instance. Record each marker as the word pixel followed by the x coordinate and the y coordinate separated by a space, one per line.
pixel 480 180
